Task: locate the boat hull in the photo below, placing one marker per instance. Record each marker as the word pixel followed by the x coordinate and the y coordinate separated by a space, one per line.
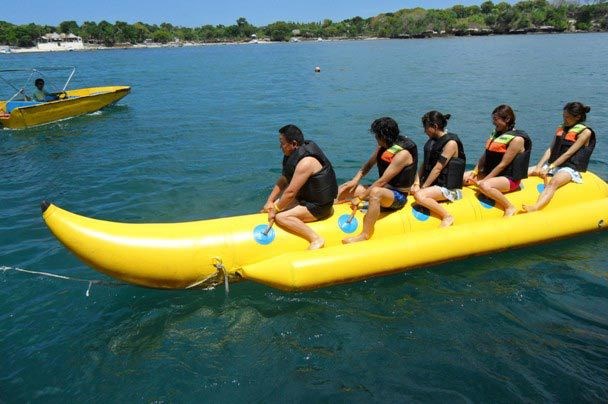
pixel 184 255
pixel 78 102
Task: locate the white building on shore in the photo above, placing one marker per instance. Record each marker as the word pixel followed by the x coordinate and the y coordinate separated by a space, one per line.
pixel 59 42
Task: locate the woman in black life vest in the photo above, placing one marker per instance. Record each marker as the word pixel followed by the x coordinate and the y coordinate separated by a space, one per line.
pixel 505 161
pixel 567 156
pixel 440 175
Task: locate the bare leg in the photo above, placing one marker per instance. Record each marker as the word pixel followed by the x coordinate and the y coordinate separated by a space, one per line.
pixel 558 181
pixel 377 197
pixel 294 220
pixel 345 196
pixel 494 188
pixel 429 197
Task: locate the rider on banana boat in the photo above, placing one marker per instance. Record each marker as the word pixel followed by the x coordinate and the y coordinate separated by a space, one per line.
pixel 505 160
pixel 440 175
pixel 567 157
pixel 397 158
pixel 306 189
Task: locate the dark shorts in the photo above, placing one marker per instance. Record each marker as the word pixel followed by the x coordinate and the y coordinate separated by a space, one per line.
pixel 320 212
pixel 399 200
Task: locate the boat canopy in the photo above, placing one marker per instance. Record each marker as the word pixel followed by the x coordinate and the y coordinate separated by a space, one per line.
pixel 13 77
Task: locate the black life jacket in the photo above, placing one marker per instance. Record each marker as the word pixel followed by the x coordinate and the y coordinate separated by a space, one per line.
pixel 564 138
pixel 406 177
pixel 321 188
pixel 452 173
pixel 496 147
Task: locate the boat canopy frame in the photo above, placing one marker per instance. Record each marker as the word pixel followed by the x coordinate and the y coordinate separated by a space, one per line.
pixel 39 71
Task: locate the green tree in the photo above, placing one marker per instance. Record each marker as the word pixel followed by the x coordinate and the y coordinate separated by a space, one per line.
pixel 506 18
pixel 501 17
pixel 90 31
pixel 278 31
pixel 487 7
pixel 27 35
pixel 141 32
pixel 244 29
pixel 557 17
pixel 106 32
pixel 162 36
pixel 460 11
pixel 8 33
pixel 124 32
pixel 68 27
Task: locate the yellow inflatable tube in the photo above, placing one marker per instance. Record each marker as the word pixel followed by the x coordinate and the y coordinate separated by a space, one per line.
pixel 191 254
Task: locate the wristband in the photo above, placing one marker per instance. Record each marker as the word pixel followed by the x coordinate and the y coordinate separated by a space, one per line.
pixel 276 207
pixel 551 166
pixel 474 172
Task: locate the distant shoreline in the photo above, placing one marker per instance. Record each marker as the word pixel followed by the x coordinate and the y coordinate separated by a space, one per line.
pixel 91 47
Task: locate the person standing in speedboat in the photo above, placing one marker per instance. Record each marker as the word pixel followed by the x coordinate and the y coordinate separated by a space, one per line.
pixel 567 157
pixel 397 159
pixel 307 187
pixel 505 161
pixel 440 175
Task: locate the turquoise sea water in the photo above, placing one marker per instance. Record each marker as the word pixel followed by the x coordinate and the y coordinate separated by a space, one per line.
pixel 197 138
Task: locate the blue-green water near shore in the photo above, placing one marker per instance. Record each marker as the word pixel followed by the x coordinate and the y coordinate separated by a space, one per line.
pixel 197 138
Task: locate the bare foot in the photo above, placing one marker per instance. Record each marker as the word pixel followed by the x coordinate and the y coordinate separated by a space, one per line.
pixel 316 244
pixel 447 221
pixel 349 240
pixel 528 208
pixel 510 211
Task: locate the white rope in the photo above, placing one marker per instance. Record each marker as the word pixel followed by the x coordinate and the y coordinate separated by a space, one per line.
pixel 69 278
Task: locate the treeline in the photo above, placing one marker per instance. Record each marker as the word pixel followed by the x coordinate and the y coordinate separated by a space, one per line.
pixel 497 18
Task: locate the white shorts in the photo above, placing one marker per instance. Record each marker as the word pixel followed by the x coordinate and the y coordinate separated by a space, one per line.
pixel 451 194
pixel 576 176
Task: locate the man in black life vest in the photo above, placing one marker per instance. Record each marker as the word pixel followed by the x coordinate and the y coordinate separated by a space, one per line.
pixel 306 188
pixel 397 159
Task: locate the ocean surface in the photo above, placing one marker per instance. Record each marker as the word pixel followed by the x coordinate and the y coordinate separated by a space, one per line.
pixel 197 138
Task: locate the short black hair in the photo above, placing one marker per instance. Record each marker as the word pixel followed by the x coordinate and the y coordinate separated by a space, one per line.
pixel 385 128
pixel 292 133
pixel 38 81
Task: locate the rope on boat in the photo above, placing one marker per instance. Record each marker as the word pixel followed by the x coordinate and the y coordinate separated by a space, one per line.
pixel 91 282
pixel 217 263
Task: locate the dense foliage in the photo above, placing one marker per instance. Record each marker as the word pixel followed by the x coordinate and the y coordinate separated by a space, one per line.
pixel 489 17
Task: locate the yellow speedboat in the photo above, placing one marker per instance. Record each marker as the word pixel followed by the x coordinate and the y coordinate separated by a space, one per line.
pixel 191 254
pixel 20 111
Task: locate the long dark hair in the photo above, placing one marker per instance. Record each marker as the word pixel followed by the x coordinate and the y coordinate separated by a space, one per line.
pixel 505 113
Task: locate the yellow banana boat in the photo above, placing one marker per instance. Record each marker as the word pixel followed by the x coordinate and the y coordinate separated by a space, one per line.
pixel 200 253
